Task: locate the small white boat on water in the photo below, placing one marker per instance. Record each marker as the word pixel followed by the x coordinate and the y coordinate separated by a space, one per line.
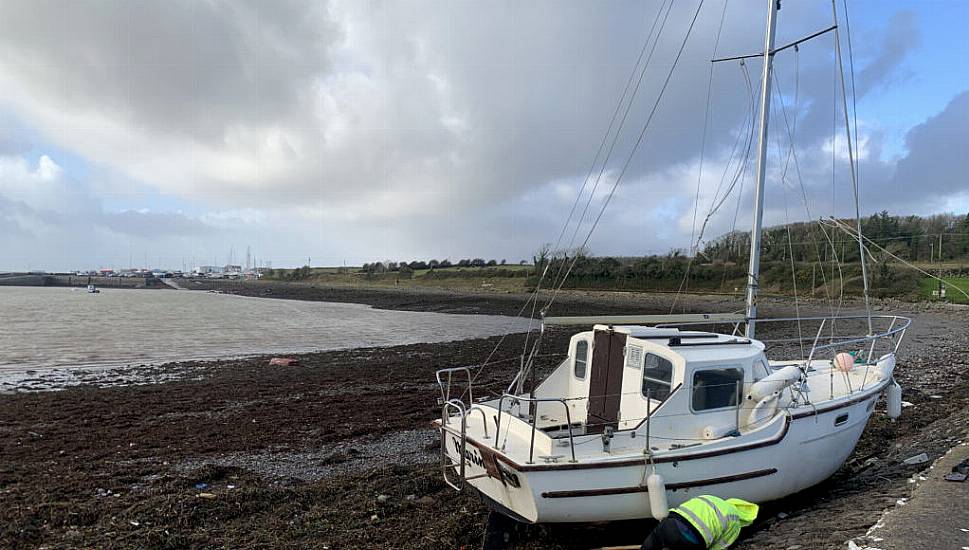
pixel 648 411
pixel 92 289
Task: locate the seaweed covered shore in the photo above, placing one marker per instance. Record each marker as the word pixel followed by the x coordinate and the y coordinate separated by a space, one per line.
pixel 338 452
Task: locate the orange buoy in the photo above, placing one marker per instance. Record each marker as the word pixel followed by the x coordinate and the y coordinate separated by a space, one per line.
pixel 844 361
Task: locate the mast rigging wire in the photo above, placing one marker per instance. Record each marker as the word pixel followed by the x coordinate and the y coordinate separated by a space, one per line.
pixel 743 162
pixel 703 148
pixel 852 161
pixel 836 223
pixel 615 138
pixel 791 153
pixel 807 207
pixel 578 225
pixel 625 167
pixel 612 121
pixel 533 298
pixel 738 176
pixel 632 153
pixel 854 92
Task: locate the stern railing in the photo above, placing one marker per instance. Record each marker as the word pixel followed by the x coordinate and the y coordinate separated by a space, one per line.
pixel 462 434
pixel 515 399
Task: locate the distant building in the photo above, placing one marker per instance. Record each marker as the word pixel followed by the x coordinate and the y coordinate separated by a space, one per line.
pixel 207 269
pixel 232 269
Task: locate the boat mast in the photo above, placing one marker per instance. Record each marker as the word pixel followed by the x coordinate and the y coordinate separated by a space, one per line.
pixel 753 273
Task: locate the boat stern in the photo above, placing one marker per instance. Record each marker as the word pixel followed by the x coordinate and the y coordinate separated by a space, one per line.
pixel 468 462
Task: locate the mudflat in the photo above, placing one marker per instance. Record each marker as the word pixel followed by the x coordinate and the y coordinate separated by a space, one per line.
pixel 338 452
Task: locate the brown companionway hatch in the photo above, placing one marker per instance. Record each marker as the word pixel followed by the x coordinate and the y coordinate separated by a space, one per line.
pixel 605 382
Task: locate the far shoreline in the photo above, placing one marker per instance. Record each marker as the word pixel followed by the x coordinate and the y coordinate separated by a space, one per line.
pixel 76 281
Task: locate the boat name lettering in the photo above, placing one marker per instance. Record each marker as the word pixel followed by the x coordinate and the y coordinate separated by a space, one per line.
pixel 503 474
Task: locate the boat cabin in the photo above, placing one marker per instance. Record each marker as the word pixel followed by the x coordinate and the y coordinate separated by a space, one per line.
pixel 616 376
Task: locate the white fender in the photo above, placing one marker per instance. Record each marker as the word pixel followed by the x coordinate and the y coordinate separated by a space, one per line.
pixel 894 399
pixel 775 382
pixel 716 432
pixel 887 364
pixel 658 505
pixel 764 410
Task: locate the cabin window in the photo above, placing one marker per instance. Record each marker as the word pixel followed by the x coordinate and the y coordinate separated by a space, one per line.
pixel 657 377
pixel 581 358
pixel 761 366
pixel 717 388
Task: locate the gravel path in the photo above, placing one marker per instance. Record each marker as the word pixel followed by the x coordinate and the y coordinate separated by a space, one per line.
pixel 351 456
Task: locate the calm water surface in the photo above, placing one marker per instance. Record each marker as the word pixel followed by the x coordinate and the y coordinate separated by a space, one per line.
pixel 60 327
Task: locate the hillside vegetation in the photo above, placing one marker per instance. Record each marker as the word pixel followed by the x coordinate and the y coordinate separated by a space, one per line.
pixel 808 258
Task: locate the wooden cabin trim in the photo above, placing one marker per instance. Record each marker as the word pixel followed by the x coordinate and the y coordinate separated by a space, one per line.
pixel 605 380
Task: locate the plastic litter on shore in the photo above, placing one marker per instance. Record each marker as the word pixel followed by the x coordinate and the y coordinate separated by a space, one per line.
pixel 920 458
pixel 284 362
pixel 959 472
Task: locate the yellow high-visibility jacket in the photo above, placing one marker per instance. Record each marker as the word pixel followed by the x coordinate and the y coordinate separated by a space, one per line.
pixel 718 520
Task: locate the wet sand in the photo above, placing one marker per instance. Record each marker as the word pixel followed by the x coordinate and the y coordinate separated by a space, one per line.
pixel 338 452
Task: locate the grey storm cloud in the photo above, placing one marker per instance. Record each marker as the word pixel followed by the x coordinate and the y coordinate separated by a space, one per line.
pixel 11 227
pixel 183 67
pixel 937 164
pixel 311 101
pixel 407 128
pixel 901 37
pixel 147 224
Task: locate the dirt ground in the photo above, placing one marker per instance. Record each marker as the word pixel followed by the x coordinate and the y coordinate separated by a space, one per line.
pixel 337 452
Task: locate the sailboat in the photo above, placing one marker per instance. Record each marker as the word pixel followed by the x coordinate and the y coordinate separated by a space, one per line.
pixel 648 411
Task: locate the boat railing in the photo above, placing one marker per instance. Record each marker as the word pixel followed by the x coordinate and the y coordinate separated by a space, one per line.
pixel 448 378
pixel 820 344
pixel 893 334
pixel 445 380
pixel 513 399
pixel 461 432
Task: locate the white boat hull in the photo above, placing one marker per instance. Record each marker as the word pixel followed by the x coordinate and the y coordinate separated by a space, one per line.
pixel 803 450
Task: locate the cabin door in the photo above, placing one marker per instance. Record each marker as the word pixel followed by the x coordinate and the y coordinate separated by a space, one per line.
pixel 605 382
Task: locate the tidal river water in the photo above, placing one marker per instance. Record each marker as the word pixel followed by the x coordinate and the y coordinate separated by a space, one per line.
pixel 44 328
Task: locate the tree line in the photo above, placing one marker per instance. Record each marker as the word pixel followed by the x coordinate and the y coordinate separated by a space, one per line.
pixel 941 237
pixel 390 266
pixel 812 258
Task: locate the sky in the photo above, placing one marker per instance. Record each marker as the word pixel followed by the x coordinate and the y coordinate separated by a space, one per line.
pixel 171 134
